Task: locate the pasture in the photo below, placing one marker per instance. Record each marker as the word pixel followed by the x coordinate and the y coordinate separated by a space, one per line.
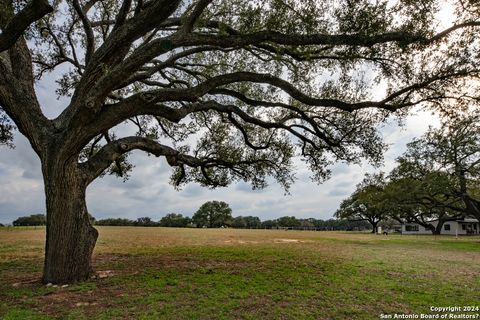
pixel 168 273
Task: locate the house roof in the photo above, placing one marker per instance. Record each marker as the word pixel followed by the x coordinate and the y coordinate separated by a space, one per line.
pixel 463 220
pixel 467 220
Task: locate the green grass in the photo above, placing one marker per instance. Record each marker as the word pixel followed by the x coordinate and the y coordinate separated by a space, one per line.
pixel 13 313
pixel 156 273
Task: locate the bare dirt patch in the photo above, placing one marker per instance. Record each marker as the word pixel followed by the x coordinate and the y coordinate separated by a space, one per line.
pixel 241 242
pixel 61 300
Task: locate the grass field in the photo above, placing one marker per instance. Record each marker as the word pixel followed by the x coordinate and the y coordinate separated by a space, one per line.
pixel 163 273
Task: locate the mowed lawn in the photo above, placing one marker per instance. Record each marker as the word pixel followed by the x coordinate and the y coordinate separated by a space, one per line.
pixel 167 273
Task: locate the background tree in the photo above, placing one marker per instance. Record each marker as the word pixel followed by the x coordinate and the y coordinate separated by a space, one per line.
pixel 175 220
pixel 115 222
pixel 367 203
pixel 269 224
pixel 145 222
pixel 422 199
pixel 249 81
pixel 445 163
pixel 239 222
pixel 32 220
pixel 252 222
pixel 288 221
pixel 213 214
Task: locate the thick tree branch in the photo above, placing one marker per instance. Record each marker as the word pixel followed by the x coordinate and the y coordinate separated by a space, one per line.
pixel 115 149
pixel 110 53
pixel 148 51
pixel 115 112
pixel 210 85
pixel 149 72
pixel 19 101
pixel 192 17
pixel 90 37
pixel 122 15
pixel 264 39
pixel 149 102
pixel 17 93
pixel 452 29
pixel 17 25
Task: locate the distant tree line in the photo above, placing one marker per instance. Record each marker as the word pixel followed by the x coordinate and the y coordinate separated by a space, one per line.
pixel 141 222
pixel 38 219
pixel 215 214
pixel 170 220
pixel 31 220
pixel 314 224
pixel 241 222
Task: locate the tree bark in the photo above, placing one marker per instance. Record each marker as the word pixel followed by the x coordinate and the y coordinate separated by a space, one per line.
pixel 70 235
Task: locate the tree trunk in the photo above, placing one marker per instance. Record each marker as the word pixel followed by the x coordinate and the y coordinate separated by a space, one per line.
pixel 374 226
pixel 438 229
pixel 70 236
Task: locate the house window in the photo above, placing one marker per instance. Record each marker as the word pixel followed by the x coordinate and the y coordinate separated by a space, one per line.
pixel 446 227
pixel 464 227
pixel 411 228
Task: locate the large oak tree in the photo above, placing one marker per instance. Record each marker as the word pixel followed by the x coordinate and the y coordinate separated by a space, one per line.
pixel 213 214
pixel 369 202
pixel 445 165
pixel 223 89
pixel 422 198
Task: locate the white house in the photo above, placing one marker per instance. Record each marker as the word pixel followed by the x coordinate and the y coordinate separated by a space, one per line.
pixel 465 226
